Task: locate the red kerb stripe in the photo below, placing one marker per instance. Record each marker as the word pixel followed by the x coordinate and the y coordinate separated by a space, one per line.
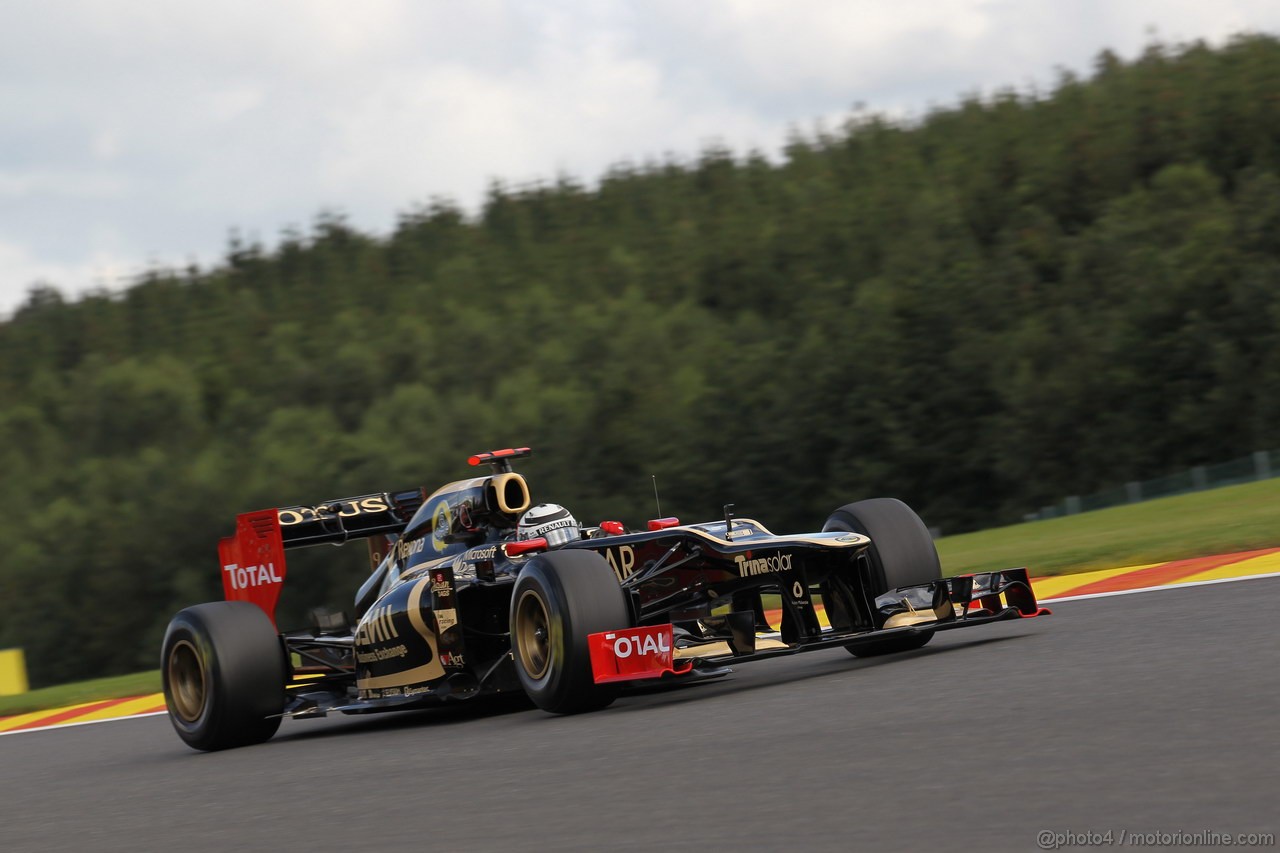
pixel 69 714
pixel 1164 573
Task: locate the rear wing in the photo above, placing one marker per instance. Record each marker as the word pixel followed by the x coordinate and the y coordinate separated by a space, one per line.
pixel 348 518
pixel 253 563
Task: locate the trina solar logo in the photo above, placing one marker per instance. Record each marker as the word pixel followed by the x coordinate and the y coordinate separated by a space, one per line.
pixel 762 565
pixel 622 560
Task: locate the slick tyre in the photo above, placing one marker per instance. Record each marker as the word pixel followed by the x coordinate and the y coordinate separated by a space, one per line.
pixel 224 673
pixel 901 554
pixel 558 600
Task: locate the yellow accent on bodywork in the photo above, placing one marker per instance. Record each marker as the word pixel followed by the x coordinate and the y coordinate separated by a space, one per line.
pixel 428 671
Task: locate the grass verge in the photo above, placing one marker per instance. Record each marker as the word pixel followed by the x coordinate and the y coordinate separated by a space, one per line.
pixel 1217 521
pixel 116 687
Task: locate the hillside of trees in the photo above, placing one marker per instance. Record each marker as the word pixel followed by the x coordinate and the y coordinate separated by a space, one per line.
pixel 979 310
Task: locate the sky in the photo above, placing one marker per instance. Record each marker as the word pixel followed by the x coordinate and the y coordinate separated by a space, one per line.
pixel 137 134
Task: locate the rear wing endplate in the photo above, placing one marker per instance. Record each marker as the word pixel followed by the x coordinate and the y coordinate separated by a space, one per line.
pixel 253 561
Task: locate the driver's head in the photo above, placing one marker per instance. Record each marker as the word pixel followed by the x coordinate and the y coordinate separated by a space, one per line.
pixel 551 522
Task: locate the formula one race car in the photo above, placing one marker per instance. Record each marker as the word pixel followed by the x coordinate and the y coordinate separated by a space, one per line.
pixel 475 592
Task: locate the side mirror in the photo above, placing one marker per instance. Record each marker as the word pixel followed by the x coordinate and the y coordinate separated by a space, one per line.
pixel 525 546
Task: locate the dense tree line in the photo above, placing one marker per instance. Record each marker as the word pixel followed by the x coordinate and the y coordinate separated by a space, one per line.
pixel 980 310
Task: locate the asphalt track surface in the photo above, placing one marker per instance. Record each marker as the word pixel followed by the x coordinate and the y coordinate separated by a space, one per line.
pixel 1154 712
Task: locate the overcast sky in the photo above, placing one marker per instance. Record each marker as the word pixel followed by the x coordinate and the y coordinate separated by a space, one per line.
pixel 137 133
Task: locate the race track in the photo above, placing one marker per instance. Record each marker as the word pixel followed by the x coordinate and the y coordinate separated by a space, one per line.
pixel 1154 712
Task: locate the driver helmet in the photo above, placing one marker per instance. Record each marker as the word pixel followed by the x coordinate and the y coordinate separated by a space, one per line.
pixel 550 521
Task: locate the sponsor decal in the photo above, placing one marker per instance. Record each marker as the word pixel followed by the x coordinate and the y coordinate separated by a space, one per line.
pixel 246 577
pixel 452 659
pixel 622 560
pixel 471 561
pixel 445 619
pixel 346 509
pixel 405 550
pixel 382 654
pixel 625 647
pixel 441 522
pixel 797 591
pixel 544 529
pixel 479 555
pixel 762 565
pixel 629 654
pixel 440 586
pixel 378 627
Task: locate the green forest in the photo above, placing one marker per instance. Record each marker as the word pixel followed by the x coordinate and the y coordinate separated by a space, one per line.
pixel 980 309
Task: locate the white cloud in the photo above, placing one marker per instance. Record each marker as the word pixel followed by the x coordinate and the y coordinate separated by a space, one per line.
pixel 15 186
pixel 98 270
pixel 133 132
pixel 231 104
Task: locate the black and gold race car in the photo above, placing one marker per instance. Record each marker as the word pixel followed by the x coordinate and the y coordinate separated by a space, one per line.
pixel 473 591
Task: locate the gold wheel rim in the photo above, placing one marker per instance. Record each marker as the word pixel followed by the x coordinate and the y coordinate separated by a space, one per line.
pixel 533 634
pixel 186 681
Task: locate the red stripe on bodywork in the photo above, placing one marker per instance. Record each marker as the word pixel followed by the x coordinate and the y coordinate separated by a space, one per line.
pixel 1164 573
pixel 69 714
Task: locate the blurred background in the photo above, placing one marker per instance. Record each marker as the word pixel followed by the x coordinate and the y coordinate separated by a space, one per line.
pixel 983 257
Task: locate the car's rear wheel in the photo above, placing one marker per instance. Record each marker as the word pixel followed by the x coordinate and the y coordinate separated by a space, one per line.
pixel 559 599
pixel 224 671
pixel 901 554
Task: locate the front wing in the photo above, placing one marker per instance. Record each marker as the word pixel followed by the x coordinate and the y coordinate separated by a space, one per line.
pixel 655 651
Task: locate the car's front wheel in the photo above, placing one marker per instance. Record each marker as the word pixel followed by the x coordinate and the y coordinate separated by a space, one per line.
pixel 901 554
pixel 224 671
pixel 559 599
